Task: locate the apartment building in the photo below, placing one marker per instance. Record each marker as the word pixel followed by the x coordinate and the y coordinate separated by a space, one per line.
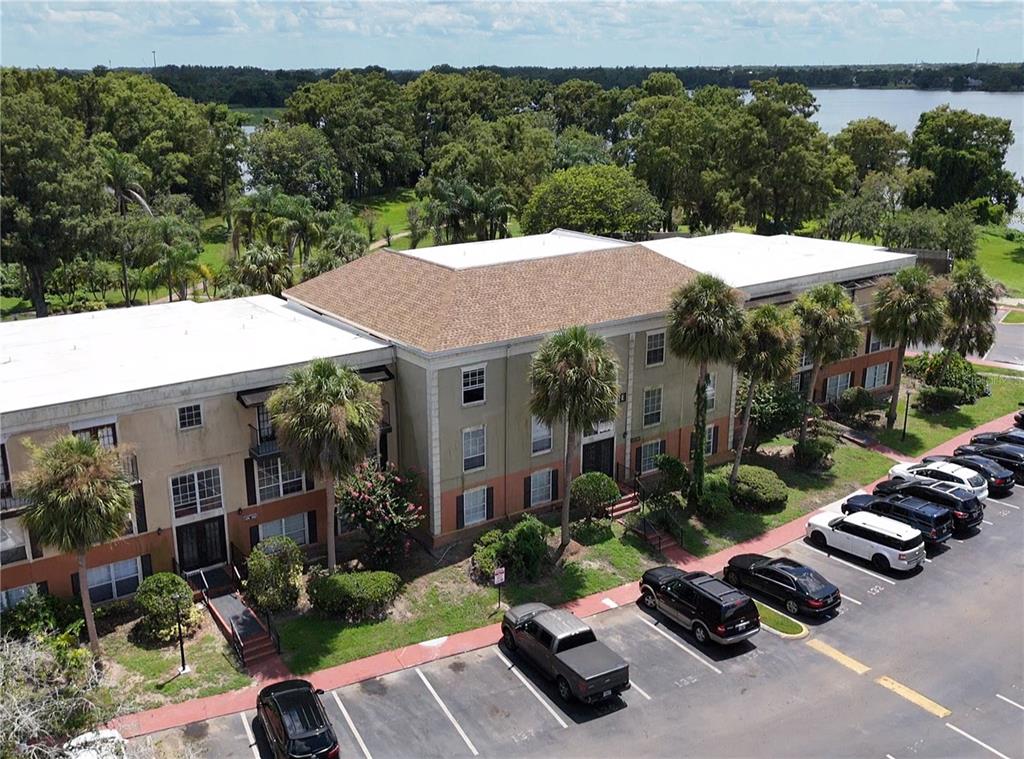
pixel 180 389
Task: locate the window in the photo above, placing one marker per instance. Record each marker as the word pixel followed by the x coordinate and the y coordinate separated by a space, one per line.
pixel 474 448
pixel 876 343
pixel 648 453
pixel 293 527
pixel 540 487
pixel 834 386
pixel 104 434
pixel 115 580
pixel 656 348
pixel 709 440
pixel 264 425
pixel 196 491
pixel 540 436
pixel 190 416
pixel 877 376
pixel 9 598
pixel 652 406
pixel 474 506
pixel 806 361
pixel 711 389
pixel 276 478
pixel 473 380
pixel 12 542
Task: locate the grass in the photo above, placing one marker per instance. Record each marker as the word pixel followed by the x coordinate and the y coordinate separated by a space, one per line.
pixel 255 115
pixel 445 601
pixel 777 621
pixel 390 208
pixel 1014 317
pixel 1002 259
pixel 852 467
pixel 216 243
pixel 925 431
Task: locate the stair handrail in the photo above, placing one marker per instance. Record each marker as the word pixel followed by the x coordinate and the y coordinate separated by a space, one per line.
pixel 236 642
pixel 272 631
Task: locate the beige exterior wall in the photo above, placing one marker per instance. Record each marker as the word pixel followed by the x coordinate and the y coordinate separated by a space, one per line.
pixel 411 441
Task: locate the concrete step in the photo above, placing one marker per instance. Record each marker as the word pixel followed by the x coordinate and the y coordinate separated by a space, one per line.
pixel 622 509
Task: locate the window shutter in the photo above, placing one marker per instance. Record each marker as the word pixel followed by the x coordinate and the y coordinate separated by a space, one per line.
pixel 37 550
pixel 254 536
pixel 490 503
pixel 311 525
pixel 250 483
pixel 638 457
pixel 864 377
pixel 824 388
pixel 140 510
pixel 714 440
pixel 867 340
pixel 888 374
pixel 527 488
pixel 310 482
pixel 460 513
pixel 43 588
pixel 662 447
pixel 147 565
pixel 554 484
pixel 76 588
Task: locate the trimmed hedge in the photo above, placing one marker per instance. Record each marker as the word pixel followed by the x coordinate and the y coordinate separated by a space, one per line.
pixel 759 489
pixel 156 597
pixel 592 493
pixel 356 596
pixel 814 453
pixel 948 370
pixel 40 613
pixel 936 399
pixel 522 549
pixel 716 501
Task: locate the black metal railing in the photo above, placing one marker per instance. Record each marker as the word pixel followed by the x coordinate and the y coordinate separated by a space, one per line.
pixel 9 500
pixel 263 443
pixel 130 467
pixel 236 643
pixel 268 622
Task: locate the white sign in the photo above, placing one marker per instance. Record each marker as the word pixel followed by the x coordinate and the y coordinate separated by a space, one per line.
pixel 499 575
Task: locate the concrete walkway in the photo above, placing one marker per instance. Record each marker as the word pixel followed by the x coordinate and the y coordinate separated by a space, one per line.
pixel 178 715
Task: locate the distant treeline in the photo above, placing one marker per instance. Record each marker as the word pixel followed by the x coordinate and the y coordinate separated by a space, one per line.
pixel 262 88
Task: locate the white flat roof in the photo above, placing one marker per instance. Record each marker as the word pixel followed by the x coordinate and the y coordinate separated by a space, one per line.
pixel 62 359
pixel 467 255
pixel 762 265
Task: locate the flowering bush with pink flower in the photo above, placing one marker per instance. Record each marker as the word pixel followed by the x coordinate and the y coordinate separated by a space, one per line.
pixel 385 504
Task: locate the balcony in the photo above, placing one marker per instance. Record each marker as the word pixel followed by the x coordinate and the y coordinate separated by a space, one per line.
pixel 263 443
pixel 130 466
pixel 8 500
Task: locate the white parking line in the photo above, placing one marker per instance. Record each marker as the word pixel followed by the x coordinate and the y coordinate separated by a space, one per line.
pixel 851 600
pixel 958 541
pixel 889 756
pixel 972 738
pixel 1012 703
pixel 687 649
pixel 929 561
pixel 609 603
pixel 249 735
pixel 985 521
pixel 351 725
pixel 448 714
pixel 639 690
pixel 1004 503
pixel 543 701
pixel 851 566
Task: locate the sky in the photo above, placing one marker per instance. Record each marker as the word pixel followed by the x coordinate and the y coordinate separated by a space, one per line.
pixel 417 34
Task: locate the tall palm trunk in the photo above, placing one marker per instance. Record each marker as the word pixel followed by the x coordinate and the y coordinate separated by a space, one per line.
pixel 700 416
pixel 744 428
pixel 808 402
pixel 570 446
pixel 890 415
pixel 331 523
pixel 90 623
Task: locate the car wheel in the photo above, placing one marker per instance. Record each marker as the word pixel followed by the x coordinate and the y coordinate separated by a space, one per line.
pixel 564 691
pixel 648 599
pixel 818 539
pixel 700 632
pixel 509 639
pixel 880 562
pixel 732 578
pixel 792 607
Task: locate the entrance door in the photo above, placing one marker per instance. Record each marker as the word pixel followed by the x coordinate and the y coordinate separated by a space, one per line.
pixel 599 456
pixel 201 544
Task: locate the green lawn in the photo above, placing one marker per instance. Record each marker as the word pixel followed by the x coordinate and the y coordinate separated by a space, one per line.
pixel 445 601
pixel 390 208
pixel 853 468
pixel 216 243
pixel 777 621
pixel 254 115
pixel 1002 259
pixel 925 431
pixel 1014 317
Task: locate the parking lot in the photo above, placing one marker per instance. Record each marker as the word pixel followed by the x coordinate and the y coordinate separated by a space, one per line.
pixel 927 665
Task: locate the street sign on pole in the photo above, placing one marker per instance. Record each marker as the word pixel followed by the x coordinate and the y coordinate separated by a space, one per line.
pixel 499 580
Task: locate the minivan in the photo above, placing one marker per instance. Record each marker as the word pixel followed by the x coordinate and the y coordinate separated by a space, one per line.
pixel 886 543
pixel 935 522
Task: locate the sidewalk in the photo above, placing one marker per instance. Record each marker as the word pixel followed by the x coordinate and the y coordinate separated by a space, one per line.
pixel 179 715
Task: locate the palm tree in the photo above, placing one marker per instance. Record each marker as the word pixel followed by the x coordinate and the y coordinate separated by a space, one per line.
pixel 124 175
pixel 705 321
pixel 770 352
pixel 829 330
pixel 263 269
pixel 326 418
pixel 573 380
pixel 78 497
pixel 908 307
pixel 970 307
pixel 492 210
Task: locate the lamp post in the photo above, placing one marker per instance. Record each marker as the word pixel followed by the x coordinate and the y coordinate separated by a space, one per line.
pixel 906 413
pixel 183 670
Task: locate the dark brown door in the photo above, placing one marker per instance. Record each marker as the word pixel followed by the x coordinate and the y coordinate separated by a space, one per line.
pixel 201 544
pixel 599 456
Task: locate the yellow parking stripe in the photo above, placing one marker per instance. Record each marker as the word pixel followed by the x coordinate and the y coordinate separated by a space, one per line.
pixel 914 697
pixel 839 656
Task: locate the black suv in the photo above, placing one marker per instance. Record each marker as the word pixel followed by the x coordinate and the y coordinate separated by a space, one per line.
pixel 1007 455
pixel 800 588
pixel 295 722
pixel 708 607
pixel 935 522
pixel 997 476
pixel 1012 435
pixel 966 509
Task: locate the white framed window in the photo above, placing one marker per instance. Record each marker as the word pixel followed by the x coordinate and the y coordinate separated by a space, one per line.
pixel 709 440
pixel 13 596
pixel 474 448
pixel 104 434
pixel 656 348
pixel 877 376
pixel 834 386
pixel 711 389
pixel 540 487
pixel 876 344
pixel 115 580
pixel 474 506
pixel 540 436
pixel 806 361
pixel 198 491
pixel 190 417
pixel 294 527
pixel 648 453
pixel 276 478
pixel 12 542
pixel 652 406
pixel 474 381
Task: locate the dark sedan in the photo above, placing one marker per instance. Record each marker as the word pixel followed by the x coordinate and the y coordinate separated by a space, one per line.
pixel 1005 454
pixel 998 477
pixel 1011 435
pixel 799 588
pixel 295 722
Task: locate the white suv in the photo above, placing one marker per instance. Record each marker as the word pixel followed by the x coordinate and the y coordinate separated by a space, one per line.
pixel 943 471
pixel 886 543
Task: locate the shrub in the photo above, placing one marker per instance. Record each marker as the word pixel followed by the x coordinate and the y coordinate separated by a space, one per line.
pixel 275 574
pixel 855 405
pixel 759 489
pixel 592 493
pixel 936 399
pixel 382 503
pixel 356 596
pixel 675 477
pixel 814 453
pixel 522 550
pixel 40 613
pixel 776 409
pixel 590 532
pixel 156 598
pixel 947 369
pixel 715 502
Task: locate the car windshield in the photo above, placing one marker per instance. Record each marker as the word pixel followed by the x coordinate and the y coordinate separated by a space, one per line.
pixel 977 481
pixel 311 744
pixel 810 582
pixel 577 639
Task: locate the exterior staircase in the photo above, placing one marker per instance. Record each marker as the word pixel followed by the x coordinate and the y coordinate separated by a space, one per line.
pixel 253 641
pixel 625 505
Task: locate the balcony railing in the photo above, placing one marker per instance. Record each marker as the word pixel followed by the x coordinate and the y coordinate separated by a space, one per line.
pixel 385 416
pixel 130 466
pixel 8 500
pixel 262 443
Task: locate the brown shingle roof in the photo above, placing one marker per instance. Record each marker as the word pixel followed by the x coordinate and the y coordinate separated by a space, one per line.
pixel 435 308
